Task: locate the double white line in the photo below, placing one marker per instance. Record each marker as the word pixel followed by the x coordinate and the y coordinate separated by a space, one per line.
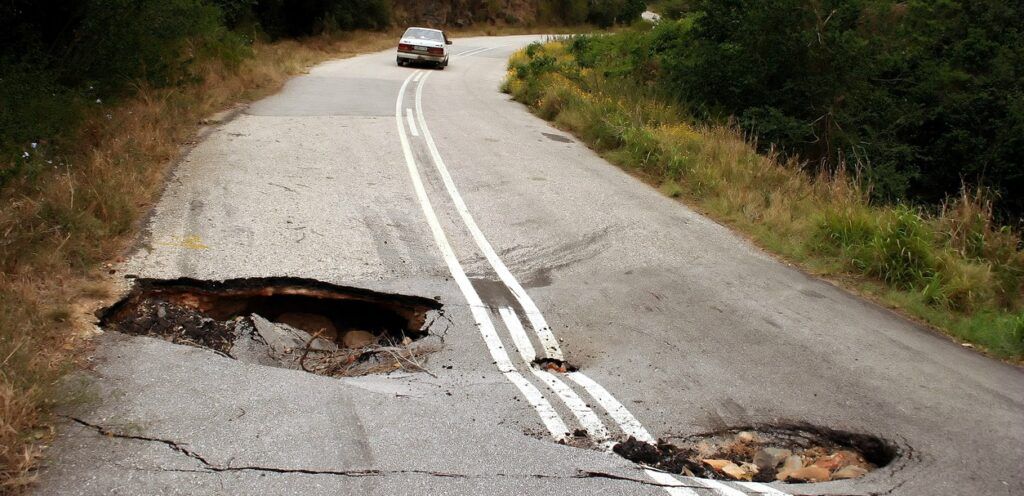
pixel 475 51
pixel 481 313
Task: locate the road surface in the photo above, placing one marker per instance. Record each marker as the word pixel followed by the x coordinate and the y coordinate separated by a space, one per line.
pixel 433 183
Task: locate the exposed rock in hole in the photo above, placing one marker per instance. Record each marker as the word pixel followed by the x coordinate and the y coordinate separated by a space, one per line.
pixel 554 365
pixel 796 453
pixel 283 322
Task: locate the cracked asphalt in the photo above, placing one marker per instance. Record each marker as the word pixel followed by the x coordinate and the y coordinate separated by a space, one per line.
pixel 685 323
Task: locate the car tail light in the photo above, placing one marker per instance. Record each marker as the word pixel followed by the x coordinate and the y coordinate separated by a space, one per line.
pixel 402 47
pixel 435 51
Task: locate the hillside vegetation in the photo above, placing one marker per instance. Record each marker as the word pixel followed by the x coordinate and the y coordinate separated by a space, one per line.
pixel 919 97
pixel 952 266
pixel 96 99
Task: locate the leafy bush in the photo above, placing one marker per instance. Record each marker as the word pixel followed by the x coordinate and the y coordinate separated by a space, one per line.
pixel 572 11
pixel 605 13
pixel 33 106
pixel 235 12
pixel 923 95
pixel 153 41
pixel 57 59
pixel 281 18
pixel 676 9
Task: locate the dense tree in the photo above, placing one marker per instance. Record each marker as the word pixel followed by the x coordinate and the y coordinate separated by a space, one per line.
pixel 605 13
pixel 305 17
pixel 924 95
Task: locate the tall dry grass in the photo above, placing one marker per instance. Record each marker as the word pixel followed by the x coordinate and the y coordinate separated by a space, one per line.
pixel 954 268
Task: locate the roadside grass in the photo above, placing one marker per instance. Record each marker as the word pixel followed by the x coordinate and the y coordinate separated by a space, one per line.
pixel 68 218
pixel 954 269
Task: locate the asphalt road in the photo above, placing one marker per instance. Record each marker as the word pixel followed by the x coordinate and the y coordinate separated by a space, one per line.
pixel 433 183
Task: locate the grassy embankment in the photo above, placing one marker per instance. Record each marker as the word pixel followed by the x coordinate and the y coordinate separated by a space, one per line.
pixel 61 225
pixel 953 268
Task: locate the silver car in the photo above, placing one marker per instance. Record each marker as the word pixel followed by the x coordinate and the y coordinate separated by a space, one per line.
pixel 424 45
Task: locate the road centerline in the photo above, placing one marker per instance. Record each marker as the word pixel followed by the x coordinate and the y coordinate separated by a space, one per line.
pixel 549 417
pixel 540 326
pixel 625 419
pixel 411 122
pixel 590 421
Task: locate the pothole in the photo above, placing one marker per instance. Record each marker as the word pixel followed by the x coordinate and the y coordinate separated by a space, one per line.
pixel 795 454
pixel 554 365
pixel 284 322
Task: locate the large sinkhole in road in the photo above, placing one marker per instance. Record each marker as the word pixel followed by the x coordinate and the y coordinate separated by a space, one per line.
pixel 284 322
pixel 765 453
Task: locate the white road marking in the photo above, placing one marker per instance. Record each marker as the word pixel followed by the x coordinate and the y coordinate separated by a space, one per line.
pixel 540 326
pixel 465 53
pixel 616 410
pixel 547 413
pixel 762 488
pixel 474 51
pixel 412 123
pixel 519 337
pixel 622 416
pixel 479 51
pixel 588 419
pixel 718 487
pixel 670 484
pixel 552 421
pixel 417 76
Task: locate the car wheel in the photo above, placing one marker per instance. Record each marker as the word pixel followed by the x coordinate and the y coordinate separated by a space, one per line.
pixel 400 62
pixel 446 62
pixel 440 66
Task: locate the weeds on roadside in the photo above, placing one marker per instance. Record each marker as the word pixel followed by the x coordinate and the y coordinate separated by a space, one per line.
pixel 954 268
pixel 78 207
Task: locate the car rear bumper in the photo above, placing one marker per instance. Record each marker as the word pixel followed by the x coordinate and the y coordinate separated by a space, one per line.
pixel 420 57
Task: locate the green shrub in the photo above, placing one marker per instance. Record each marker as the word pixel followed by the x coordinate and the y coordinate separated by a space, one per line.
pixel 846 231
pixel 900 252
pixel 606 13
pixel 923 95
pixel 33 107
pixel 152 40
pixel 58 59
pixel 573 11
pixel 287 18
pixel 676 9
pixel 1000 333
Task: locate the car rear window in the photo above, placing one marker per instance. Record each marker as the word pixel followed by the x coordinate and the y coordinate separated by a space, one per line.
pixel 423 34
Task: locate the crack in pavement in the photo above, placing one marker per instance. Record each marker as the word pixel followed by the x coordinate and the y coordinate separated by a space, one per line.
pixel 175 446
pixel 209 467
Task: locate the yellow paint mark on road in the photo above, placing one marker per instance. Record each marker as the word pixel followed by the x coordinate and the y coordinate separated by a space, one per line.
pixel 190 242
